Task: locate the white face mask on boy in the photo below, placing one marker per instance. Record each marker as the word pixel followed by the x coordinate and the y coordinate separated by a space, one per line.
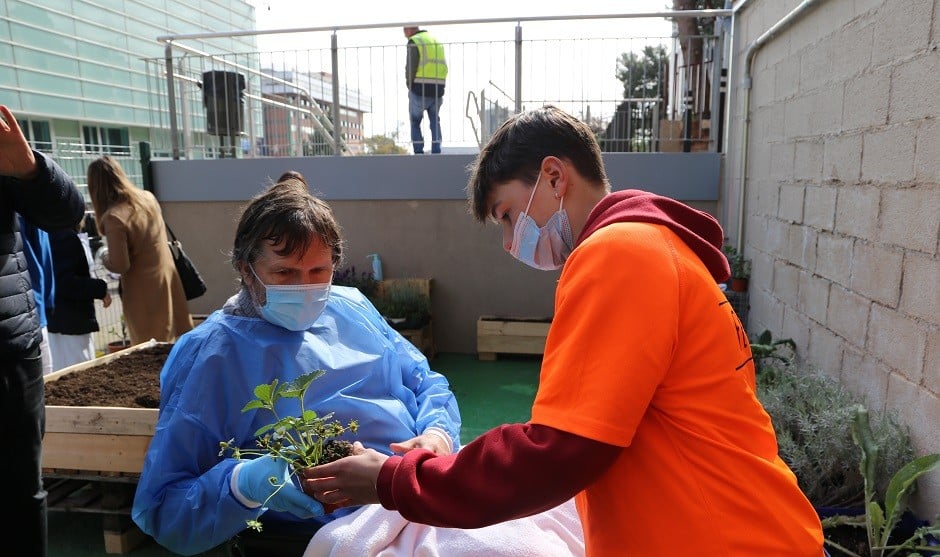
pixel 544 248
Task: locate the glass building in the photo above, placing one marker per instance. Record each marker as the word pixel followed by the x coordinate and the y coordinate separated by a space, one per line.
pixel 77 76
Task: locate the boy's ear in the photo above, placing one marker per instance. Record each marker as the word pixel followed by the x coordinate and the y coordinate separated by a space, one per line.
pixel 558 175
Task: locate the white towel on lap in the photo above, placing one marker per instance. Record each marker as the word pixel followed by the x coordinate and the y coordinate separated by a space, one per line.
pixel 373 531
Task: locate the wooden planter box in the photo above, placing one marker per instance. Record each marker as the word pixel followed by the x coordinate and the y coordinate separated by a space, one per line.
pixel 97 440
pixel 422 338
pixel 92 457
pixel 510 335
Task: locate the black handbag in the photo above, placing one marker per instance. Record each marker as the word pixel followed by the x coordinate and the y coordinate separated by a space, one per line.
pixel 193 285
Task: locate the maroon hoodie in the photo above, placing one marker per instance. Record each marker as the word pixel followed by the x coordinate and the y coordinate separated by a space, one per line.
pixel 699 230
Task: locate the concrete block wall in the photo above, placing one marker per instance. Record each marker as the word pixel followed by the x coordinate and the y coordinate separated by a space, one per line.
pixel 842 197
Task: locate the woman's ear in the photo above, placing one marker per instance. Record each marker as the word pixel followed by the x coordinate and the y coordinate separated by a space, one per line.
pixel 245 272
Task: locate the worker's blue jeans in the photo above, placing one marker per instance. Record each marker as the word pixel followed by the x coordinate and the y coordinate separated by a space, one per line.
pixel 417 106
pixel 22 423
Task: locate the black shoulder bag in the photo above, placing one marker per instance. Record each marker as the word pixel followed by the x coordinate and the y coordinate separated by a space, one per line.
pixel 193 285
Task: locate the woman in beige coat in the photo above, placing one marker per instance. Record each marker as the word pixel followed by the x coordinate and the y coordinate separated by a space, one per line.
pixel 130 219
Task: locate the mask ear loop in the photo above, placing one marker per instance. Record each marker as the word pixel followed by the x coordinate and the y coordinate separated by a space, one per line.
pixel 532 195
pixel 252 267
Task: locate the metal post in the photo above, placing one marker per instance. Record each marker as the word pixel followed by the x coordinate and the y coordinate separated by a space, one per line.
pixel 716 88
pixel 337 128
pixel 518 68
pixel 252 139
pixel 146 170
pixel 185 114
pixel 171 97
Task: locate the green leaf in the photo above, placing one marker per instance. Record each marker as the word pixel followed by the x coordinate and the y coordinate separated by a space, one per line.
pixel 309 416
pixel 264 429
pixel 877 519
pixel 253 405
pixel 265 391
pixel 297 387
pixel 764 337
pixel 903 482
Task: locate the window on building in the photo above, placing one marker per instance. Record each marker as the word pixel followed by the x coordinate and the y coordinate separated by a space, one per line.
pixel 106 141
pixel 37 133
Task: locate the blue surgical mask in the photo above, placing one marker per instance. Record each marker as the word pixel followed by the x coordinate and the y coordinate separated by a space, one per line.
pixel 293 306
pixel 544 248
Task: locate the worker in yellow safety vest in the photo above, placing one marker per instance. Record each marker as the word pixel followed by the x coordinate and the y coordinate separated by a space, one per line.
pixel 425 74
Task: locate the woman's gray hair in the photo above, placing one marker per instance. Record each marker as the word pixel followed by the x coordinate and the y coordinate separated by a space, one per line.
pixel 286 212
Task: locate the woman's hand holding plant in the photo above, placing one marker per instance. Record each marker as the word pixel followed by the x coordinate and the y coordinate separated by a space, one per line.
pixel 266 481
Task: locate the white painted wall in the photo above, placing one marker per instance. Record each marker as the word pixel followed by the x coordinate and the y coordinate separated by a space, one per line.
pixel 842 192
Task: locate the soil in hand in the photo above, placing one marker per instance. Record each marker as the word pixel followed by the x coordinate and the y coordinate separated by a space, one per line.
pixel 335 449
pixel 129 381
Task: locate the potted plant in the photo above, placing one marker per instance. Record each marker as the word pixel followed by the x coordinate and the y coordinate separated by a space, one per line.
pixel 888 526
pixel 815 419
pixel 364 281
pixel 404 305
pixel 740 268
pixel 305 439
pixel 123 342
pixel 812 416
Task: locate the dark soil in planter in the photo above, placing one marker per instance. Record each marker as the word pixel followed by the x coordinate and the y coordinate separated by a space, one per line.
pixel 850 537
pixel 129 381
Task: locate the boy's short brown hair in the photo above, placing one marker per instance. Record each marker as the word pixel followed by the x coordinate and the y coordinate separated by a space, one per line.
pixel 520 144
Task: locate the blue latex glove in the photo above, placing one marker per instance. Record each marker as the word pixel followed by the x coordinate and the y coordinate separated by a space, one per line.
pixel 267 480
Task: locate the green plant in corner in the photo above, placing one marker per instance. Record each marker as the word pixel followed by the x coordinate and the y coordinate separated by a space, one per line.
pixel 405 302
pixel 812 416
pixel 113 332
pixel 740 266
pixel 766 351
pixel 364 281
pixel 304 440
pixel 880 520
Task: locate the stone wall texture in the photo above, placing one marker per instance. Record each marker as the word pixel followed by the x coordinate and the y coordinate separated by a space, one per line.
pixel 842 197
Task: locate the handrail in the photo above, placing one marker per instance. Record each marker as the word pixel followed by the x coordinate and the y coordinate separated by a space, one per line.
pixel 339 144
pixel 334 28
pixel 327 128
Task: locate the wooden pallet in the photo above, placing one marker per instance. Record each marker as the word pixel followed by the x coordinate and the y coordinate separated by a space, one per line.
pixel 107 494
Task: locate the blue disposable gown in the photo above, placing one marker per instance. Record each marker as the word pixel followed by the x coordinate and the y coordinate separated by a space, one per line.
pixel 373 375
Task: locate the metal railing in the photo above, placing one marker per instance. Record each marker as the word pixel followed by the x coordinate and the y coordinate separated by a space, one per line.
pixel 352 100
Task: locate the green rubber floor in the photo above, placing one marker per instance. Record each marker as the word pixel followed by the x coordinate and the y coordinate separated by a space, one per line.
pixel 488 393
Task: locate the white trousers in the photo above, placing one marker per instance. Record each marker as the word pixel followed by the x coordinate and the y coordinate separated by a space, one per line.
pixel 69 350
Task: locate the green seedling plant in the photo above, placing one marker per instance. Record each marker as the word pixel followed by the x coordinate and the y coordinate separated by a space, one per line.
pixel 880 520
pixel 304 440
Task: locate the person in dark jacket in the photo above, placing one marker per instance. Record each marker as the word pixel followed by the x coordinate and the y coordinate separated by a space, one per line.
pixel 34 186
pixel 73 322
